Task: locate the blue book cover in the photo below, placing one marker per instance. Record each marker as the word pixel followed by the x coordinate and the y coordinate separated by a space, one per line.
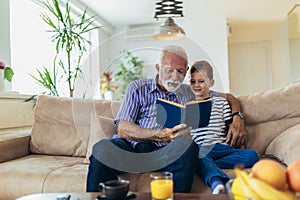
pixel 195 113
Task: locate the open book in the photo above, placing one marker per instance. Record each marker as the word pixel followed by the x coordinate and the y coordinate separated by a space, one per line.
pixel 194 113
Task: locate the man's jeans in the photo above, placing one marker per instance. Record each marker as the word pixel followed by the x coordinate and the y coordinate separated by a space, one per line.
pixel 183 167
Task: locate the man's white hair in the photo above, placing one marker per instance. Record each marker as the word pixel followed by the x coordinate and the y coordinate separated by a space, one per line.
pixel 178 50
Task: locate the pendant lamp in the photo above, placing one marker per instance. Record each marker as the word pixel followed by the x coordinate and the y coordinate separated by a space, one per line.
pixel 169 30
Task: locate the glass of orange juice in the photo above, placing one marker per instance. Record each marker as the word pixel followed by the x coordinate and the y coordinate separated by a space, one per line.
pixel 161 185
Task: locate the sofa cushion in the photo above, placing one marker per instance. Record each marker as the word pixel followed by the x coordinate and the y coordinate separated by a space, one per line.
pixel 54 131
pixel 103 128
pixel 271 105
pixel 28 175
pixel 286 146
pixel 68 178
pixel 262 134
pixel 14 144
pixel 62 125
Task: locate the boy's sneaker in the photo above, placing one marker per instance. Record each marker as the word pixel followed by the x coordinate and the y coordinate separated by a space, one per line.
pixel 219 189
pixel 216 185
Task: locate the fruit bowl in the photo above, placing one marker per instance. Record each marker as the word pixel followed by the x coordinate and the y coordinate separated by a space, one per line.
pixel 245 187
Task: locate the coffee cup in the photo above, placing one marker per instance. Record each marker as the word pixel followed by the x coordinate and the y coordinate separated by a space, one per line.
pixel 114 189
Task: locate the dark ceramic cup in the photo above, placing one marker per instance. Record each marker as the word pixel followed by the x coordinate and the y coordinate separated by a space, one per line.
pixel 115 189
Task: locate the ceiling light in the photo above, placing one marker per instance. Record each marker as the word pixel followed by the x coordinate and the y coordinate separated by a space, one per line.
pixel 169 30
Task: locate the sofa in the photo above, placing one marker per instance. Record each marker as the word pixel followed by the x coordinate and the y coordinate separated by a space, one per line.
pixel 52 156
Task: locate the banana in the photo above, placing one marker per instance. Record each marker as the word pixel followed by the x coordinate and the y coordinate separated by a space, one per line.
pixel 236 189
pixel 243 189
pixel 267 192
pixel 245 185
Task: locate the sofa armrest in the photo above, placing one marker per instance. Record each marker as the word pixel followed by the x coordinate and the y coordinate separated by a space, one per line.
pixel 14 144
pixel 286 145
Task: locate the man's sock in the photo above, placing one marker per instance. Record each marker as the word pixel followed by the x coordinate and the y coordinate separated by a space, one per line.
pixel 216 185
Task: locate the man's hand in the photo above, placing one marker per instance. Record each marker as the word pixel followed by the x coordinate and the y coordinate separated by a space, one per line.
pixel 181 130
pixel 237 134
pixel 169 134
pixel 129 130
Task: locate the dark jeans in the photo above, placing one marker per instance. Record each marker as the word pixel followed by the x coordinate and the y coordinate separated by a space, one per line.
pixel 216 157
pixel 118 161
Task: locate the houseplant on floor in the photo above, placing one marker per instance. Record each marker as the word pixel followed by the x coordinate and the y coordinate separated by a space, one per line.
pixel 69 36
pixel 130 68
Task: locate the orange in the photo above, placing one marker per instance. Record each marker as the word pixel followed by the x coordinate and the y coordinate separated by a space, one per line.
pixel 270 172
pixel 293 174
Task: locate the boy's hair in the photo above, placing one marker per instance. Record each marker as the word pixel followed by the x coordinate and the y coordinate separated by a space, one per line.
pixel 203 65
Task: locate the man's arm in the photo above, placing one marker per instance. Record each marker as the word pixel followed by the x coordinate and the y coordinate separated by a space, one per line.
pixel 129 130
pixel 237 134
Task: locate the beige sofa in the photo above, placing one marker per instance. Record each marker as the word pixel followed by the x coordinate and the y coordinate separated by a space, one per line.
pixel 52 156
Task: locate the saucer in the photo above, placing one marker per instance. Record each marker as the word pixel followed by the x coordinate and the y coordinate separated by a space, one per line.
pixel 130 195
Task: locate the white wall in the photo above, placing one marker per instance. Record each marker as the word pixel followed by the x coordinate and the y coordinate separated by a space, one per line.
pixel 294 42
pixel 211 35
pixel 295 59
pixel 210 44
pixel 250 72
pixel 4 33
pixel 276 33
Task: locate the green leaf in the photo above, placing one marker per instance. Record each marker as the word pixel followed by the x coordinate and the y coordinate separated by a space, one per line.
pixel 68 36
pixel 8 74
pixel 45 80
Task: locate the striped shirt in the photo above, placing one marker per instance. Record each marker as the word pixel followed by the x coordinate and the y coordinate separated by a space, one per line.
pixel 138 105
pixel 216 130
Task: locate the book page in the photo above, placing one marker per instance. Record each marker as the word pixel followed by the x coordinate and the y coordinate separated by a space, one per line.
pixel 171 102
pixel 199 101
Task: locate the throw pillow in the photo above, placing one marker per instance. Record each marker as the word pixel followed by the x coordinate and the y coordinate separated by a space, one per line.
pixel 103 128
pixel 286 145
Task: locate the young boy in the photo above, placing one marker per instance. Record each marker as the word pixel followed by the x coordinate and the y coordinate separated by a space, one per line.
pixel 214 153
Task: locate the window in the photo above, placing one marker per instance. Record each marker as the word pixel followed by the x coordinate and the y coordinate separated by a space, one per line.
pixel 31 48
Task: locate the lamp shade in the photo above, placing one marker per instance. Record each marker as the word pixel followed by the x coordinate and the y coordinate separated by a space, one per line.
pixel 169 31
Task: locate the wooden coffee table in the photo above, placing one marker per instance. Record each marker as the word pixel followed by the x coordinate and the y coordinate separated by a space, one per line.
pixel 140 196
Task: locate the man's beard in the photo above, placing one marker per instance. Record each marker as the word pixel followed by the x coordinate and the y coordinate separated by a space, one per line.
pixel 171 86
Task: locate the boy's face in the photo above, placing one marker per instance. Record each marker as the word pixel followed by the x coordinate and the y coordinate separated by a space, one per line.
pixel 200 84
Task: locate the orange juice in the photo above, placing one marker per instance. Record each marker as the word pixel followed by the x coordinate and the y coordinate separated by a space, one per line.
pixel 162 189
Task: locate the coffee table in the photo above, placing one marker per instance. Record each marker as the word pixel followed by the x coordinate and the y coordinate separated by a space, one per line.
pixel 140 196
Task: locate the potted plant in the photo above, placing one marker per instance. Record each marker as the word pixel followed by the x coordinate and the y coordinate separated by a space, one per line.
pixel 107 89
pixel 130 69
pixel 6 73
pixel 69 35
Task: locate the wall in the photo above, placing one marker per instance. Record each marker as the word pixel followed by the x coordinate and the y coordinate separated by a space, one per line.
pixel 22 115
pixel 295 59
pixel 273 32
pixel 294 42
pixel 211 35
pixel 210 45
pixel 5 32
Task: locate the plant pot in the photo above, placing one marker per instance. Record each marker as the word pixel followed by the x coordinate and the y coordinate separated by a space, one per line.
pixel 108 95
